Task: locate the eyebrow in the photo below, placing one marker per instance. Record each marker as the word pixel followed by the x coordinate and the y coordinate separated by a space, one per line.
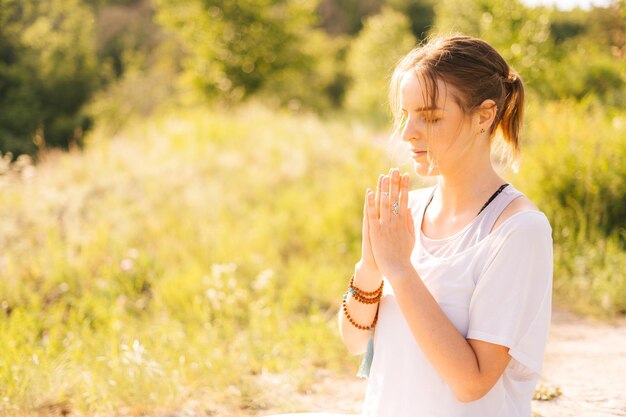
pixel 426 108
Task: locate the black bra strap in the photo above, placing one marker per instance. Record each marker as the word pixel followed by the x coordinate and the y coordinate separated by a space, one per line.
pixel 494 195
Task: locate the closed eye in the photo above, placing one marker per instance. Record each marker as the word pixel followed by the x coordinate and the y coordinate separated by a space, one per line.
pixel 431 119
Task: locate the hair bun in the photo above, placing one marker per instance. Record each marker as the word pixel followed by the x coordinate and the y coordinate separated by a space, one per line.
pixel 511 78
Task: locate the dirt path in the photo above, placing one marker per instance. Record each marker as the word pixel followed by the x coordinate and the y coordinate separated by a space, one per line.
pixel 585 359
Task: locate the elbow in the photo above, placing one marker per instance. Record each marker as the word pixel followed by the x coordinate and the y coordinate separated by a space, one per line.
pixel 470 392
pixel 467 397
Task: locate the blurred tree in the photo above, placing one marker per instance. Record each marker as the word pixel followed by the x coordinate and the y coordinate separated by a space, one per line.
pixel 345 17
pixel 420 13
pixel 125 34
pixel 607 26
pixel 101 3
pixel 567 24
pixel 318 85
pixel 47 71
pixel 521 34
pixel 587 60
pixel 237 46
pixel 385 38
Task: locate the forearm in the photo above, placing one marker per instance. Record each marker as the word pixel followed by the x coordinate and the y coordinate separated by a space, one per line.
pixel 356 339
pixel 445 348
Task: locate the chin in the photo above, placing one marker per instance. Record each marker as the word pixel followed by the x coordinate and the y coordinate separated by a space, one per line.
pixel 425 170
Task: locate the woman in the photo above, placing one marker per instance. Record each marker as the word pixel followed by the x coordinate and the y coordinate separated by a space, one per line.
pixel 455 282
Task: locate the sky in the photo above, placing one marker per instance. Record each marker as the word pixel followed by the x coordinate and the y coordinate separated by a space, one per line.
pixel 568 4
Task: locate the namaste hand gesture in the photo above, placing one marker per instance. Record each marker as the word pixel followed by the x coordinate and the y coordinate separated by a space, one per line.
pixel 388 229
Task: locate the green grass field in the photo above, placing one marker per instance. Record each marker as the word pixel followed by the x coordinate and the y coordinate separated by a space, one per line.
pixel 196 248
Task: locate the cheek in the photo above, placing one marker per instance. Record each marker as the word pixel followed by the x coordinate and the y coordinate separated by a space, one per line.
pixel 437 139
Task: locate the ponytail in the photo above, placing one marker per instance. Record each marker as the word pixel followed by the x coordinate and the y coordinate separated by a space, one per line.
pixel 513 112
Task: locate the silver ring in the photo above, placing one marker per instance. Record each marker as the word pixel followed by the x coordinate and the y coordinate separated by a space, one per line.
pixel 385 193
pixel 395 208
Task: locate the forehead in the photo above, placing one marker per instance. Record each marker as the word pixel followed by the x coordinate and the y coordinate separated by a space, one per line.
pixel 416 92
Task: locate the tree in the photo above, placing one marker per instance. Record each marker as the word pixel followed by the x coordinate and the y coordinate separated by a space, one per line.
pixel 385 38
pixel 47 72
pixel 236 46
pixel 521 34
pixel 421 14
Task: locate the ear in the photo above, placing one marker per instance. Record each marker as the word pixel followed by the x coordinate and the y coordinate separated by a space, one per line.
pixel 485 115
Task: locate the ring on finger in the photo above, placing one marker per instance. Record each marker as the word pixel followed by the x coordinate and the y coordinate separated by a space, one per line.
pixel 385 193
pixel 395 208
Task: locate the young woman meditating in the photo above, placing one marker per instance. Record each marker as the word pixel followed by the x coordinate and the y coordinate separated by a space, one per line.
pixel 451 300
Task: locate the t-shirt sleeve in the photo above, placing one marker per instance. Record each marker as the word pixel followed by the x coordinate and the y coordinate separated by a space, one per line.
pixel 512 300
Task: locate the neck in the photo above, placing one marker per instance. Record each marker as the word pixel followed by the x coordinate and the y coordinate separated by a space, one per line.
pixel 467 186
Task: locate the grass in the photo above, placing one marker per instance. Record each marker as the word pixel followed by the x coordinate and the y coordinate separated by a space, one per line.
pixel 188 252
pixel 195 250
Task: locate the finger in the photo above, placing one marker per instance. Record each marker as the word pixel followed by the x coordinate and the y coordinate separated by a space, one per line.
pixel 410 223
pixel 384 200
pixel 379 186
pixel 394 187
pixel 371 209
pixel 365 221
pixel 404 193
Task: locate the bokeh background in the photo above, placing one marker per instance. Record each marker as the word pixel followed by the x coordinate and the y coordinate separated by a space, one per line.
pixel 182 183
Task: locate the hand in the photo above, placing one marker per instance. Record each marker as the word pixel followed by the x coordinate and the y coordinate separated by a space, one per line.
pixel 367 261
pixel 391 236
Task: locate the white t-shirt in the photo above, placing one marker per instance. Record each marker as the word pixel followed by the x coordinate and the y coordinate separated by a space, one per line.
pixel 495 287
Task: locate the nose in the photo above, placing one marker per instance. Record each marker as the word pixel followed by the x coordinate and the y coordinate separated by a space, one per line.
pixel 411 130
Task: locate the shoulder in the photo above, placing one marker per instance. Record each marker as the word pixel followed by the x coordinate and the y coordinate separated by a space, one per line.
pixel 522 212
pixel 524 227
pixel 525 237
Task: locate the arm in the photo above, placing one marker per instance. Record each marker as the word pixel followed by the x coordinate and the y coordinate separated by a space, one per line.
pixel 470 367
pixel 356 339
pixel 367 277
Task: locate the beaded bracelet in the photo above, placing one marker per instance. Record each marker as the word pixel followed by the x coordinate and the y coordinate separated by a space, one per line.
pixel 364 293
pixel 360 298
pixel 358 326
pixel 359 295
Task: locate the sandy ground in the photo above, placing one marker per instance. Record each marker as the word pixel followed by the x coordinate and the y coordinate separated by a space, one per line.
pixel 585 359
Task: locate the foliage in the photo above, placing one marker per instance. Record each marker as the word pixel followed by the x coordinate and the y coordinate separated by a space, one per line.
pixel 559 54
pixel 55 55
pixel 519 33
pixel 345 17
pixel 573 169
pixel 575 75
pixel 421 14
pixel 319 86
pixel 47 71
pixel 126 37
pixel 547 393
pixel 236 46
pixel 384 39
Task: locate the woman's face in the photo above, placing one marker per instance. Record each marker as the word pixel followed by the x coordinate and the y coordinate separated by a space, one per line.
pixel 441 135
